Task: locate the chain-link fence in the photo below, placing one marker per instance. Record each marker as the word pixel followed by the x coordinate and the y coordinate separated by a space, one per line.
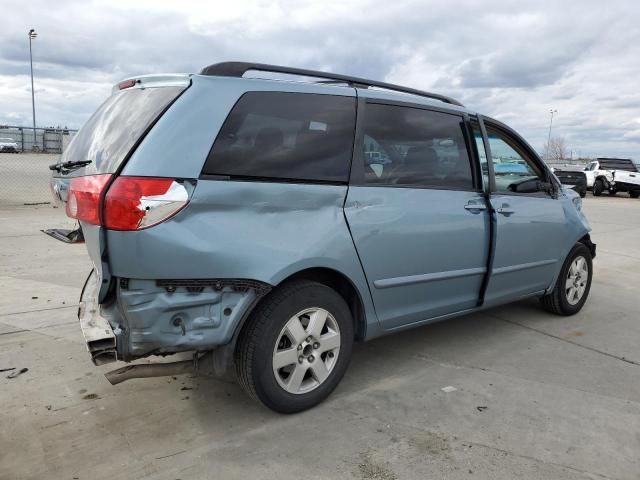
pixel 24 178
pixel 25 160
pixel 46 140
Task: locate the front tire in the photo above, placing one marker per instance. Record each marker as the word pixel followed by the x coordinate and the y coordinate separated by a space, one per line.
pixel 573 284
pixel 634 193
pixel 295 347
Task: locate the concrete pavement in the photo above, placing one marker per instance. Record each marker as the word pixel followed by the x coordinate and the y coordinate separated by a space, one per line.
pixel 537 396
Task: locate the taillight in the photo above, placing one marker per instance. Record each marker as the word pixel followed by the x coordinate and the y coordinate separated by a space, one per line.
pixel 134 203
pixel 83 199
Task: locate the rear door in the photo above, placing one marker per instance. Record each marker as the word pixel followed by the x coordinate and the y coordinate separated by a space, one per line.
pixel 531 229
pixel 416 212
pixel 102 145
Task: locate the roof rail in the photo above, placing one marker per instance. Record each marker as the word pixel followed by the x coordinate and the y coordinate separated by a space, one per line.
pixel 238 69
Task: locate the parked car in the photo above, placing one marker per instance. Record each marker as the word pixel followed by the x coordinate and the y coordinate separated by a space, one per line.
pixel 240 219
pixel 8 145
pixel 613 175
pixel 576 180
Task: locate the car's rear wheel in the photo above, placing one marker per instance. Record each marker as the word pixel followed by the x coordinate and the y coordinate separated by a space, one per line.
pixel 598 187
pixel 573 284
pixel 634 193
pixel 295 347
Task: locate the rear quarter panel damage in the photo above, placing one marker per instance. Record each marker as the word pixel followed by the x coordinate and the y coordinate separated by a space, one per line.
pixel 234 230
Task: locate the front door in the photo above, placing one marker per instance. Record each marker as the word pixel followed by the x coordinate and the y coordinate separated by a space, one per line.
pixel 417 214
pixel 531 227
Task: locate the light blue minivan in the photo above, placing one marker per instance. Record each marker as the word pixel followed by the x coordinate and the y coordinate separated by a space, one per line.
pixel 264 225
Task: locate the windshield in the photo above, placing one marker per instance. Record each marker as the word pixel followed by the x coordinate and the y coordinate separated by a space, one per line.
pixel 116 126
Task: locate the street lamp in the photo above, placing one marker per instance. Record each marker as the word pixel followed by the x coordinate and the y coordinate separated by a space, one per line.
pixel 32 35
pixel 552 112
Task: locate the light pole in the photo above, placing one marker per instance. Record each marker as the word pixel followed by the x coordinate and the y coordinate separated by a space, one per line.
pixel 32 35
pixel 552 112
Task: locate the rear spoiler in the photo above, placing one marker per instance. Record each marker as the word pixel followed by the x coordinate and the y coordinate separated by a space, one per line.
pixel 154 80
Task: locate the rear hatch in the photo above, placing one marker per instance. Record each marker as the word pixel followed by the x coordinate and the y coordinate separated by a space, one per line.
pixel 106 141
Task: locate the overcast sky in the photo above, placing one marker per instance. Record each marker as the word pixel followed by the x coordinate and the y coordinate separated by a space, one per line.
pixel 513 60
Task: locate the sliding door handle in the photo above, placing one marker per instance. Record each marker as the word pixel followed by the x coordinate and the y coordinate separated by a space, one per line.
pixel 475 207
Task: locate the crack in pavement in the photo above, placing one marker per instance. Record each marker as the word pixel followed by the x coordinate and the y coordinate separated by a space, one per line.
pixel 566 340
pixel 35 330
pixel 38 310
pixel 374 418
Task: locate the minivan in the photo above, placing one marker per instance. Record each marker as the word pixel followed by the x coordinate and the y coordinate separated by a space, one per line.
pixel 264 225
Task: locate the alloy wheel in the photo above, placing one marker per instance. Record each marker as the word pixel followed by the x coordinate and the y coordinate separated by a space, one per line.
pixel 577 278
pixel 306 350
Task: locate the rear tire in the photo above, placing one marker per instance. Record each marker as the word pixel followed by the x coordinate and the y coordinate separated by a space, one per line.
pixel 295 347
pixel 634 193
pixel 573 284
pixel 598 188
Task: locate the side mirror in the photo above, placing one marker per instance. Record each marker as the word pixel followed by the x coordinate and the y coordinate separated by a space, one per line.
pixel 531 186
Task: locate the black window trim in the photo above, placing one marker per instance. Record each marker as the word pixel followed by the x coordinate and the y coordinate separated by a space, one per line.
pixel 520 144
pixel 266 179
pixel 356 178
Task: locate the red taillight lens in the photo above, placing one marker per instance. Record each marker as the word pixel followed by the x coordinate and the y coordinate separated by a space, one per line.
pixel 133 203
pixel 83 200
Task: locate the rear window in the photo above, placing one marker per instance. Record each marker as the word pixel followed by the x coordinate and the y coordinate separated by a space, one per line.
pixel 116 126
pixel 289 136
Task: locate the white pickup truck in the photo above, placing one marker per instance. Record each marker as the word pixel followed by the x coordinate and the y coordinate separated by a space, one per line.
pixel 613 175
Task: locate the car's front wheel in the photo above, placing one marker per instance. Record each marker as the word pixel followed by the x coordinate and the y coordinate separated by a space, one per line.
pixel 573 284
pixel 295 347
pixel 634 193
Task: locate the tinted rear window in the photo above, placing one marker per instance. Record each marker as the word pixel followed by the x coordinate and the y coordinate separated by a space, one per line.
pixel 116 126
pixel 292 136
pixel 407 146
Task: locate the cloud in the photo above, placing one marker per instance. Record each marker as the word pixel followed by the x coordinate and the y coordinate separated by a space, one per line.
pixel 507 59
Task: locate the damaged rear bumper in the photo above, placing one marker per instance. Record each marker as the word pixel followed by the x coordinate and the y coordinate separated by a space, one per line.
pixel 149 317
pixel 97 332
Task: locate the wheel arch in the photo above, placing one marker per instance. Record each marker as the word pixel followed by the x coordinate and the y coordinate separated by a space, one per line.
pixel 342 284
pixel 585 239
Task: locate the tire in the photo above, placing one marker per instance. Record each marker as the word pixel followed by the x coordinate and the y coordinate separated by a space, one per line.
pixel 318 361
pixel 598 188
pixel 583 194
pixel 612 193
pixel 634 193
pixel 563 300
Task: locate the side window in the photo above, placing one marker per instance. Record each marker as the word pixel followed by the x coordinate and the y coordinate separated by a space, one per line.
pixel 407 146
pixel 510 164
pixel 292 136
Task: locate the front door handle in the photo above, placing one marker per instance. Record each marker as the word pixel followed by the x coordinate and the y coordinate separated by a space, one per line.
pixel 505 210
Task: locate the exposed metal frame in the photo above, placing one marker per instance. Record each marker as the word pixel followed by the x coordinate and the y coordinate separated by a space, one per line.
pixel 238 69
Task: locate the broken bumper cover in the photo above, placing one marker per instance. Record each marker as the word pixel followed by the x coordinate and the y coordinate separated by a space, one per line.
pixel 149 317
pixel 98 334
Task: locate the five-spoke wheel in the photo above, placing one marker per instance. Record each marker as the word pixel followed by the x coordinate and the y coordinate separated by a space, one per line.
pixel 295 346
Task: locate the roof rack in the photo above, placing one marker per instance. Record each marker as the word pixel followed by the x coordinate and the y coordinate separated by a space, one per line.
pixel 238 69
